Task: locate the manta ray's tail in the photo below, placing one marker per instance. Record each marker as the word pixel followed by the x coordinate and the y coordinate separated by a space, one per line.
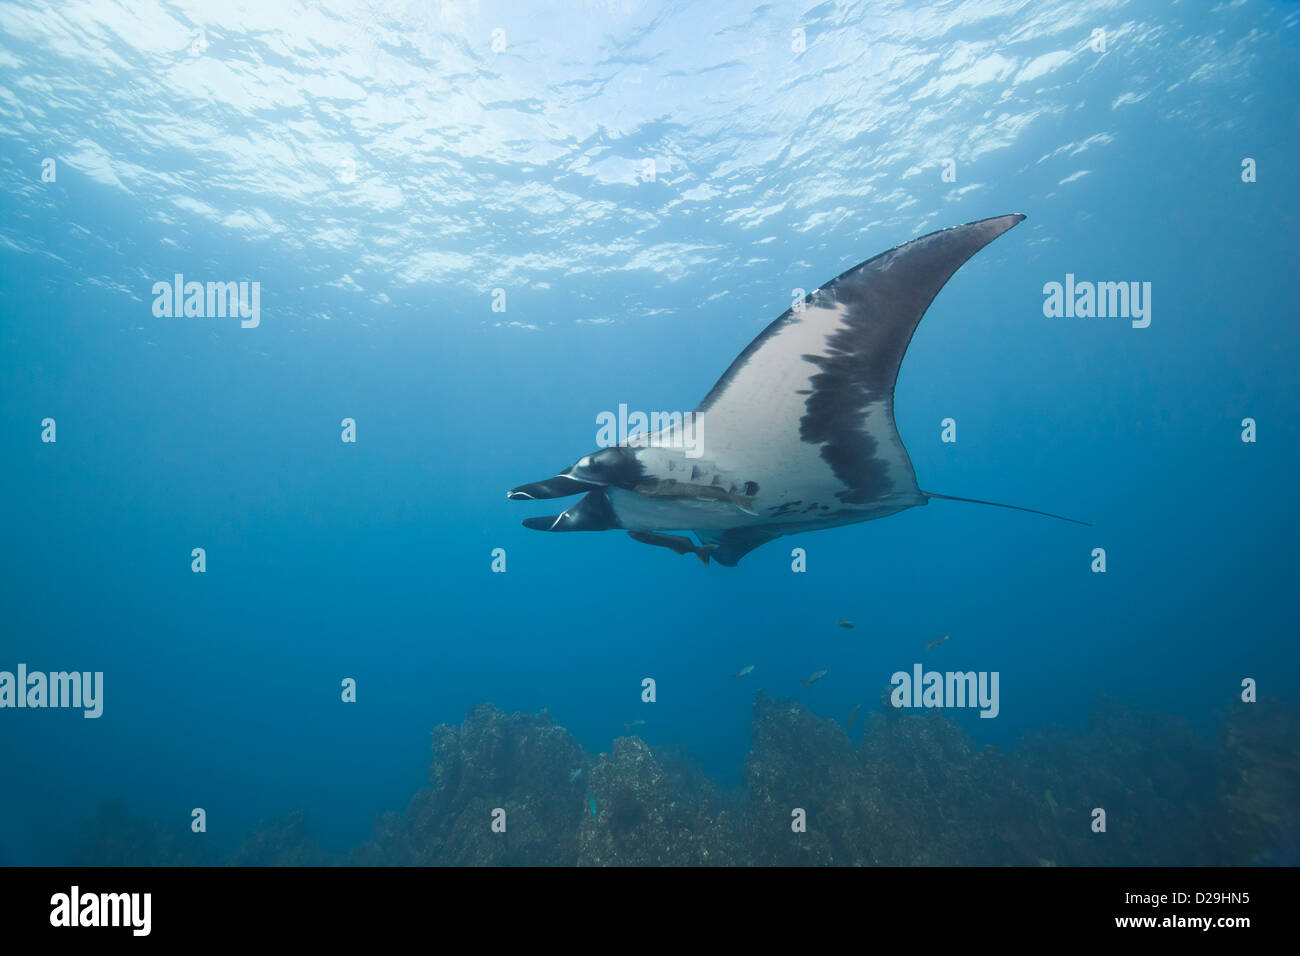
pixel 1032 511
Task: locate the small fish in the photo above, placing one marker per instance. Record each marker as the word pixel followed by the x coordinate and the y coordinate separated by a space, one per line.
pixel 675 543
pixel 816 676
pixel 936 642
pixel 1051 800
pixel 748 668
pixel 591 802
pixel 853 713
pixel 635 723
pixel 844 624
pixel 575 775
pixel 671 488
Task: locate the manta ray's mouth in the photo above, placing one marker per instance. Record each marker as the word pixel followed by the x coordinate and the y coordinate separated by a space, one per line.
pixel 561 486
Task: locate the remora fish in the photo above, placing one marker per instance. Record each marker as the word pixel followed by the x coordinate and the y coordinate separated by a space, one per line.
pixel 798 435
pixel 673 542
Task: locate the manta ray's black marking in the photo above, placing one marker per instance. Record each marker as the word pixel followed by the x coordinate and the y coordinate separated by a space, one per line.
pixel 804 414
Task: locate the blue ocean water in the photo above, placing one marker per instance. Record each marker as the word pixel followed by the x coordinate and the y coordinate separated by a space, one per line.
pixel 643 186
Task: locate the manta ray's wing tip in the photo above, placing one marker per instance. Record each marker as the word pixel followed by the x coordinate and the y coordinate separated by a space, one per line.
pixel 1002 223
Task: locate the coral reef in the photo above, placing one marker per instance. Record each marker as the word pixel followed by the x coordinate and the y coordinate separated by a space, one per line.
pixel 115 837
pixel 652 811
pixel 284 841
pixel 1263 785
pixel 914 790
pixel 522 764
pixel 1155 779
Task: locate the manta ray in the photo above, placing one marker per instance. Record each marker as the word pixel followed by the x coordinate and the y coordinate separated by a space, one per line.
pixel 797 435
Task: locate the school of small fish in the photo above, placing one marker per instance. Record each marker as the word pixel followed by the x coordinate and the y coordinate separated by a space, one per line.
pixel 812 679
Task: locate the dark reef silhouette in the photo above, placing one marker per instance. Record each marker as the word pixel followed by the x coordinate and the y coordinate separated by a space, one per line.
pixel 913 790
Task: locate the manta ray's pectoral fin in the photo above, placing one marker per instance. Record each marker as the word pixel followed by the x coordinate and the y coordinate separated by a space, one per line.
pixel 825 371
pixel 733 544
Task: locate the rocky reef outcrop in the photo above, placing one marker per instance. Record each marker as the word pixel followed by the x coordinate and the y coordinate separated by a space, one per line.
pixel 283 841
pixel 116 837
pixel 651 810
pixel 1262 785
pixel 523 765
pixel 913 789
